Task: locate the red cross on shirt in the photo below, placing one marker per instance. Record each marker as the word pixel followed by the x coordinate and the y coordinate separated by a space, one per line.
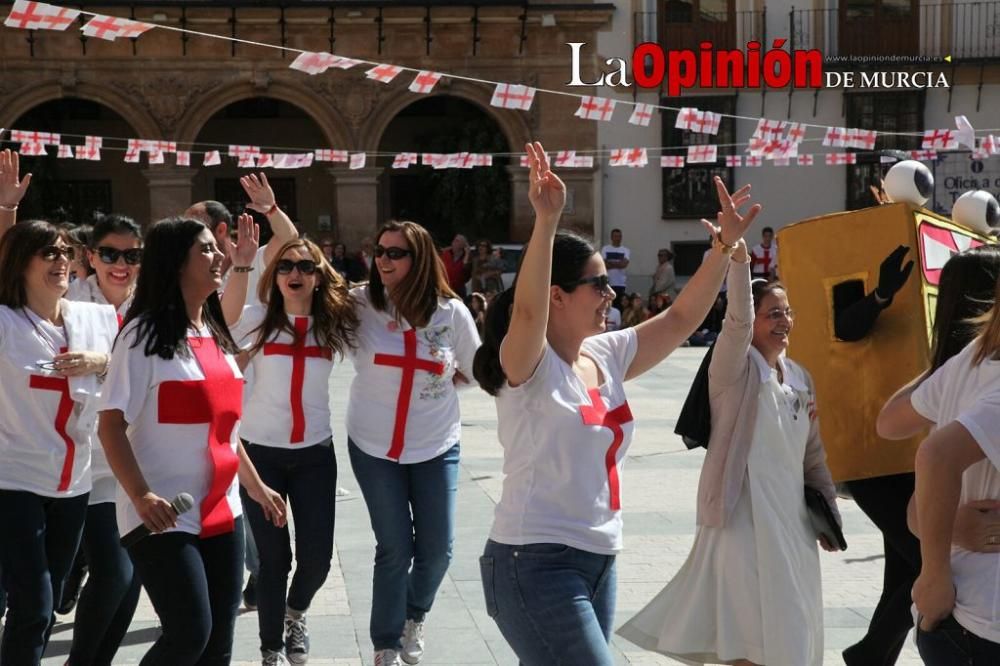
pixel 299 352
pixel 764 262
pixel 217 401
pixel 409 364
pixel 60 384
pixel 596 413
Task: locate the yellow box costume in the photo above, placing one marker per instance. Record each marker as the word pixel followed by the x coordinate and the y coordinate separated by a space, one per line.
pixel 854 379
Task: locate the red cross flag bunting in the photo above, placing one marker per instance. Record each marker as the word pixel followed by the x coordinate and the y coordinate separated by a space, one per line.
pixel 977 154
pixel 383 73
pixel 863 139
pixel 804 160
pixel 734 160
pixel 595 108
pixel 424 82
pixel 484 160
pixel 525 163
pixel 513 96
pixel 597 414
pixel 688 118
pixel 939 140
pixel 711 124
pixel 432 159
pixel 65 152
pixel 703 154
pixel 313 62
pixel 404 160
pixel 328 155
pixel 754 160
pixel 358 160
pixel 642 114
pixel 989 145
pixel 39 16
pixel 183 158
pixel 156 157
pixel 672 161
pixel 344 63
pixel 565 158
pixel 111 28
pixel 769 130
pixel 629 157
pixel 837 159
pixel 44 138
pixel 796 133
pixel 835 137
pixel 134 151
pixel 32 148
pixel 923 155
pixel 212 158
pixel 91 149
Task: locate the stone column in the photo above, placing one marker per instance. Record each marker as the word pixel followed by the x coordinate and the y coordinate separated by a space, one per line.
pixel 579 214
pixel 358 213
pixel 170 190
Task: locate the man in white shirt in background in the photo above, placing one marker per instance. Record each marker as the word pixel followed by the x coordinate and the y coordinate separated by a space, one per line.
pixel 616 258
pixel 764 256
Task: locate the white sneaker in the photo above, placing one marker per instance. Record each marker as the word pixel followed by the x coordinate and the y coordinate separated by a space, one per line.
pixel 413 642
pixel 387 658
pixel 296 639
pixel 273 658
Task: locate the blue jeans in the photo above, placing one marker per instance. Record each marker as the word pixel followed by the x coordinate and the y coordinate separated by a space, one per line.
pixel 950 644
pixel 108 601
pixel 39 537
pixel 553 604
pixel 194 585
pixel 392 491
pixel 307 479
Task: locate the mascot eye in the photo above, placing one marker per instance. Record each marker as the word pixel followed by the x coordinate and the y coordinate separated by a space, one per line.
pixel 977 210
pixel 909 181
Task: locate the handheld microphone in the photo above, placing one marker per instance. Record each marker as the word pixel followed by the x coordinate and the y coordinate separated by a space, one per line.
pixel 183 502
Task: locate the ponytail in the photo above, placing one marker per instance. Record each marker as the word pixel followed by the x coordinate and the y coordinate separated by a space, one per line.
pixel 486 367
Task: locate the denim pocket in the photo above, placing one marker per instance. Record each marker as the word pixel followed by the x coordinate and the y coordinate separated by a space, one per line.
pixel 944 645
pixel 489 588
pixel 542 550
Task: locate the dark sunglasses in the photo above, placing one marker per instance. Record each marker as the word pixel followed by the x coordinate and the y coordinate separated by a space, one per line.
pixel 598 282
pixel 394 253
pixel 53 252
pixel 305 266
pixel 110 255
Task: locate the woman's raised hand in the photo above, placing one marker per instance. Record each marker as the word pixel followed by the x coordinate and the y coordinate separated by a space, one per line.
pixel 260 192
pixel 11 189
pixel 546 192
pixel 244 251
pixel 732 225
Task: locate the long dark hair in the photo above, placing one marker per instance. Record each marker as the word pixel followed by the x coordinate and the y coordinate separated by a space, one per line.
pixel 570 254
pixel 335 323
pixel 19 246
pixel 966 292
pixel 158 303
pixel 416 297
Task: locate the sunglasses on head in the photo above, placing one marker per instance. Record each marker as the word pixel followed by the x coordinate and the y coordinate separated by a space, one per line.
pixel 53 252
pixel 110 255
pixel 305 266
pixel 394 253
pixel 598 282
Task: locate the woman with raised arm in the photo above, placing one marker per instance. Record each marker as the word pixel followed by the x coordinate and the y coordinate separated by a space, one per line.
pixel 169 415
pixel 53 354
pixel 416 340
pixel 548 569
pixel 303 318
pixel 12 188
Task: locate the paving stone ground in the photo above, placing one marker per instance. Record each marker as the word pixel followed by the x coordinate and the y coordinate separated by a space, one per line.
pixel 659 489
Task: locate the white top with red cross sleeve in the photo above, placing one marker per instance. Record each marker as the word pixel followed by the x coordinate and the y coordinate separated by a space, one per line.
pixel 44 447
pixel 764 260
pixel 182 417
pixel 564 447
pixel 286 402
pixel 403 405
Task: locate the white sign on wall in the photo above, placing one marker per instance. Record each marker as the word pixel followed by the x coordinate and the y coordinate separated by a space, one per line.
pixel 955 174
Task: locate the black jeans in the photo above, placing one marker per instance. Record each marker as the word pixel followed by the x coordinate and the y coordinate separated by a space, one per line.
pixel 884 500
pixel 307 479
pixel 951 644
pixel 38 540
pixel 194 585
pixel 108 601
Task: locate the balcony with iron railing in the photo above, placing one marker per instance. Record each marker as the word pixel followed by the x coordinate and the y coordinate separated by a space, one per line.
pixel 966 31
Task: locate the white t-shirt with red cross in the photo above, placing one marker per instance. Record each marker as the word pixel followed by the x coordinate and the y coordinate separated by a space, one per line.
pixel 287 397
pixel 182 428
pixel 44 447
pixel 970 394
pixel 104 486
pixel 764 260
pixel 403 404
pixel 564 447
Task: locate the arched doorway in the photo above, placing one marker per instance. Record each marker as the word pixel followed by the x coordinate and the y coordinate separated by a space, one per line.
pixel 475 202
pixel 307 194
pixel 71 190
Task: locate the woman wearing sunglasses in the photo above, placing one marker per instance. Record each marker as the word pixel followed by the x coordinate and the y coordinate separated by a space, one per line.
pixel 755 547
pixel 305 316
pixel 52 353
pixel 169 414
pixel 415 341
pixel 108 600
pixel 548 569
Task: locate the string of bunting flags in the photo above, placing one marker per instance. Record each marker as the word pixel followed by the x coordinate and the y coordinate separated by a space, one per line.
pixel 774 141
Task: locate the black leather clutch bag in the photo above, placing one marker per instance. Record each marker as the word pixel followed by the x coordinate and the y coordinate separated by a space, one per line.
pixel 822 518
